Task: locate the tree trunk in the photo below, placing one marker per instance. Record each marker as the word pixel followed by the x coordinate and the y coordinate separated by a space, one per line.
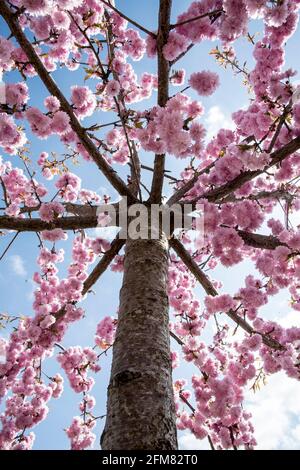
pixel 140 407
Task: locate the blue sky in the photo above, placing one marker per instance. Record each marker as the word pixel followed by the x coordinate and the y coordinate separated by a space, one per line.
pixel 278 427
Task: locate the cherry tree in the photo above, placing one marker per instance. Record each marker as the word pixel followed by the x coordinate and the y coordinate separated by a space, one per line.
pixel 238 179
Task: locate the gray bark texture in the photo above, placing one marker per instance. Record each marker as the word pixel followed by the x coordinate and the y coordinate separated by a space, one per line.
pixel 140 407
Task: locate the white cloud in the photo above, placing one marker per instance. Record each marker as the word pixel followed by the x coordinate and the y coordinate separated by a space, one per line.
pixel 275 407
pixel 17 265
pixel 276 413
pixel 190 442
pixel 216 120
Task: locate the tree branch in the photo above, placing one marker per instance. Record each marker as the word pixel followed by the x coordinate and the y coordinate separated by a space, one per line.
pixel 188 185
pixel 53 89
pixel 163 92
pixel 9 245
pixel 103 264
pixel 177 339
pixel 38 225
pixel 98 270
pixel 278 156
pixel 142 28
pixel 210 290
pixel 199 17
pixel 277 194
pixel 282 120
pixel 190 46
pixel 256 240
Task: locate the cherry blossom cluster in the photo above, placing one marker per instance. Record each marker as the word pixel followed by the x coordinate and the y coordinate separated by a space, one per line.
pixel 11 137
pixel 19 189
pixel 220 418
pixel 80 433
pixel 105 333
pixel 183 302
pixel 76 363
pixel 34 340
pixel 170 121
pixel 218 391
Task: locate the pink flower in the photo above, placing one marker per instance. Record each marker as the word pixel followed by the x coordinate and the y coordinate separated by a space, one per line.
pixel 197 131
pixel 219 303
pixel 40 123
pixel 296 113
pixel 99 245
pixel 47 321
pixel 80 434
pixel 49 211
pixel 294 241
pixel 37 7
pixel 254 342
pixel 10 136
pixel 227 245
pixel 6 48
pixel 103 219
pixel 151 46
pixel 54 235
pixel 135 45
pixel 69 186
pixel 84 101
pixel 118 264
pixel 52 104
pixel 175 46
pixel 61 20
pixel 16 94
pixel 205 83
pixel 105 333
pixel 112 88
pixel 61 123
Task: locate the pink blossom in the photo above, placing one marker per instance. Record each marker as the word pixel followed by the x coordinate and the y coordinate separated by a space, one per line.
pixel 40 123
pixel 16 94
pixel 10 136
pixel 52 104
pixel 178 77
pixel 220 303
pixel 205 83
pixel 6 48
pixel 49 211
pixel 60 122
pixel 54 235
pixel 37 7
pixel 112 88
pixel 61 20
pixel 69 186
pixel 47 321
pixel 105 332
pixel 84 101
pixel 176 45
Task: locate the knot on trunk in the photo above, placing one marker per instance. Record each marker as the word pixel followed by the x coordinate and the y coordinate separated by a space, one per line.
pixel 125 376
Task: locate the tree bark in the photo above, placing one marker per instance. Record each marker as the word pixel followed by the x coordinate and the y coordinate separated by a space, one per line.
pixel 140 407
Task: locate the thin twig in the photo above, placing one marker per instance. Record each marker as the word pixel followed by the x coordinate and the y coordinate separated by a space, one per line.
pixel 195 18
pixel 8 246
pixel 135 23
